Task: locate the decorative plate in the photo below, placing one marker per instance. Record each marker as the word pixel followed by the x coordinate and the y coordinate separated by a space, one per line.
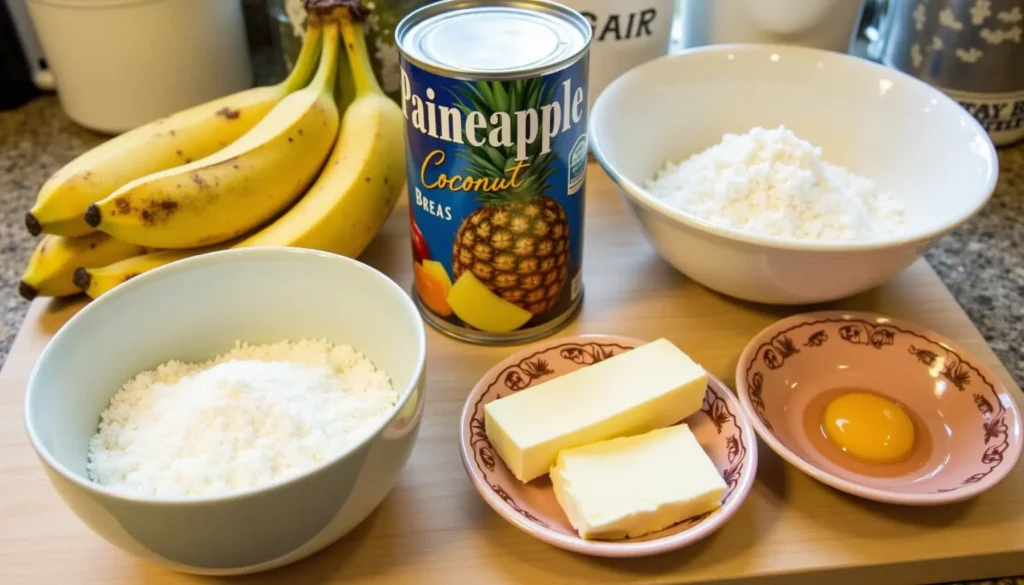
pixel 720 426
pixel 967 426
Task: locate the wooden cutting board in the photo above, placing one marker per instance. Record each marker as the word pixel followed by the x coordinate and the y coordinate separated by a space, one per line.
pixel 434 529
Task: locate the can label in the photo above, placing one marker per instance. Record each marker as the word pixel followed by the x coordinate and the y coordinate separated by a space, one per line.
pixel 497 173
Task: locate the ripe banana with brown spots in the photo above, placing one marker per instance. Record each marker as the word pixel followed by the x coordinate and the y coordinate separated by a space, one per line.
pixel 51 269
pixel 362 179
pixel 99 279
pixel 236 189
pixel 346 206
pixel 178 139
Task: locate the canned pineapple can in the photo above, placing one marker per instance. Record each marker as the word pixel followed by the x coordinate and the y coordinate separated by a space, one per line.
pixel 494 94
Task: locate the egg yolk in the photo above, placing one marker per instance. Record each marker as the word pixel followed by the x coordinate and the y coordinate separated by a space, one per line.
pixel 869 428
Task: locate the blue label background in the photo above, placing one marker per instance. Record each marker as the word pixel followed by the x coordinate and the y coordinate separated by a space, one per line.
pixel 439 233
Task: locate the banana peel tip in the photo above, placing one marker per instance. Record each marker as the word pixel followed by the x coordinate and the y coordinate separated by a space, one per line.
pixel 82 279
pixel 27 291
pixel 92 215
pixel 356 11
pixel 34 227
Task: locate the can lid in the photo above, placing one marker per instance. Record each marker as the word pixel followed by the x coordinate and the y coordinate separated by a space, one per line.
pixel 492 39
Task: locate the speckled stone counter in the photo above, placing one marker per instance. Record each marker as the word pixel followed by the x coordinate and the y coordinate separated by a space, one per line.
pixel 982 262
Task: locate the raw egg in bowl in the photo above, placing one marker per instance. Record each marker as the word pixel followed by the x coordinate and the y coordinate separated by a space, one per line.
pixel 868 427
pixel 879 408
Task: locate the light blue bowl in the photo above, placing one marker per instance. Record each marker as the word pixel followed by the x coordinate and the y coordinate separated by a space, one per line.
pixel 192 310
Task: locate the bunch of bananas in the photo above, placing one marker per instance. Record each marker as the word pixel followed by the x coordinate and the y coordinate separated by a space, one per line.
pixel 270 166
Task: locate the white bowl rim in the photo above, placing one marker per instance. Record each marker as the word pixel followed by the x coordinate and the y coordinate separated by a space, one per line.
pixel 879 495
pixel 195 262
pixel 641 197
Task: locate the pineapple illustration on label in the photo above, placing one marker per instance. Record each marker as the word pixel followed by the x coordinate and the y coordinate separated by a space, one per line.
pixel 496 156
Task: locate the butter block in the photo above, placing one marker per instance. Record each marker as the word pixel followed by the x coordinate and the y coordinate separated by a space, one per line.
pixel 652 386
pixel 631 486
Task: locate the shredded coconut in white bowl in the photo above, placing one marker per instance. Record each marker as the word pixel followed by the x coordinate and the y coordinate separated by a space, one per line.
pixel 252 416
pixel 771 182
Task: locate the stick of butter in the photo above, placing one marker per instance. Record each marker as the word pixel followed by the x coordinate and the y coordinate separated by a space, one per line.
pixel 631 486
pixel 652 386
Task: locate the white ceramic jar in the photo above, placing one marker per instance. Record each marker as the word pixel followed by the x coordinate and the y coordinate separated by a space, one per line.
pixel 627 33
pixel 121 63
pixel 822 24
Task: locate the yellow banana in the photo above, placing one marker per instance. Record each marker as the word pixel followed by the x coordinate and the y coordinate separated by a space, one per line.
pixel 240 187
pixel 345 207
pixel 165 143
pixel 363 177
pixel 51 268
pixel 94 281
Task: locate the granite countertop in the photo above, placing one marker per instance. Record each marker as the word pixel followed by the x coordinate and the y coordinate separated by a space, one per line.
pixel 981 262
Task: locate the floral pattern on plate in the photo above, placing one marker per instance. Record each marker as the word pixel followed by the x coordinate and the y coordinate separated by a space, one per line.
pixel 719 425
pixel 969 415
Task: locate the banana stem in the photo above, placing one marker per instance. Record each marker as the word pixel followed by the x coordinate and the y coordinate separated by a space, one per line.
pixel 306 60
pixel 328 68
pixel 358 56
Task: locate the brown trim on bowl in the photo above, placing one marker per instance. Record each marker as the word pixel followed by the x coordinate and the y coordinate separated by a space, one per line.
pixel 956 370
pixel 714 407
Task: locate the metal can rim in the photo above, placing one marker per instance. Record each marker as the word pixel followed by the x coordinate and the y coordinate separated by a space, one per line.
pixel 550 7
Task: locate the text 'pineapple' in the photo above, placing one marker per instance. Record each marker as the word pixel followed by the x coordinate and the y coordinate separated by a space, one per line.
pixel 520 128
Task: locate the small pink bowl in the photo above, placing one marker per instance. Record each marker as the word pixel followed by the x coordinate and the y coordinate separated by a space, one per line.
pixel 721 427
pixel 967 425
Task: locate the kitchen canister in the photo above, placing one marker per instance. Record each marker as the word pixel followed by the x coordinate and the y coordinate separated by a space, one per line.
pixel 121 63
pixel 626 33
pixel 973 50
pixel 822 24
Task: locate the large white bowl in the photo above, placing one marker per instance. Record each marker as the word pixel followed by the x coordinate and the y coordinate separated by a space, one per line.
pixel 193 310
pixel 908 137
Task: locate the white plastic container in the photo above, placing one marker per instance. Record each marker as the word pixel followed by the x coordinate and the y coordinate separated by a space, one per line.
pixel 121 63
pixel 822 24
